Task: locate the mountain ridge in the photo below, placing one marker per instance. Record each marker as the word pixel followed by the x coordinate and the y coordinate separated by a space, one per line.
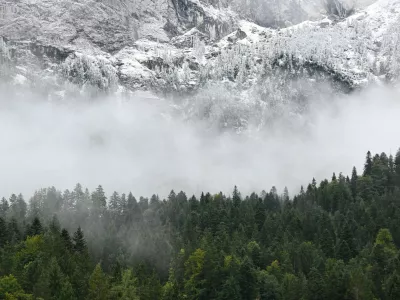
pixel 197 46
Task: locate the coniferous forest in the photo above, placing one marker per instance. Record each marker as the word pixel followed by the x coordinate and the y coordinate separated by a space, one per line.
pixel 337 239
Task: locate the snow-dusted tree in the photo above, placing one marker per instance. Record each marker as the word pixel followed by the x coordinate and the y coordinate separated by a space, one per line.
pixel 5 59
pixel 391 49
pixel 199 47
pixel 212 32
pixel 340 8
pixel 90 72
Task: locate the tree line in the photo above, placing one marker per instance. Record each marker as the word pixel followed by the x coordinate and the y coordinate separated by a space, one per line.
pixel 338 239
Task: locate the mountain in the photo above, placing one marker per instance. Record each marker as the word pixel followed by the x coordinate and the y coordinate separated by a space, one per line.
pixel 203 48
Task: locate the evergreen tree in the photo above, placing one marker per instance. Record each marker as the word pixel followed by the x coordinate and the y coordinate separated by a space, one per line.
pixel 315 285
pixel 338 240
pixel 334 177
pixel 3 233
pixel 353 182
pixel 99 200
pixel 247 280
pixel 4 207
pixel 98 285
pixel 269 288
pixel 126 288
pixel 236 197
pixel 230 290
pixel 55 279
pixel 115 201
pixel 66 292
pixel 66 239
pixel 36 227
pixel 285 194
pixel 122 205
pixel 368 165
pixel 55 226
pixel 14 231
pixel 79 241
pixel 397 167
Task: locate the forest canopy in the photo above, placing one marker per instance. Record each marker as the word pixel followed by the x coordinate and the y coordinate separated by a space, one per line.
pixel 338 239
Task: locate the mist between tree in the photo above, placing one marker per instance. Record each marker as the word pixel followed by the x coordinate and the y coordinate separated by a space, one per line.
pixel 145 145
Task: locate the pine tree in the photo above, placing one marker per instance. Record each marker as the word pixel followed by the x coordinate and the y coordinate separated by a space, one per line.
pixel 79 241
pixel 98 285
pixel 78 196
pixel 392 286
pixel 122 205
pixel 134 213
pixel 334 177
pixel 302 191
pixel 114 201
pixel 368 165
pixel 4 207
pixel 269 288
pixel 36 227
pixel 66 239
pixel 397 167
pixel 172 196
pixel 236 197
pixel 3 233
pixel 353 182
pixel 259 214
pixel 131 203
pixel 315 285
pixel 285 194
pixel 230 290
pixel 55 226
pixel 126 289
pixel 247 280
pixel 13 206
pixel 99 200
pixel 194 274
pixel 55 279
pixel 346 245
pixel 14 231
pixel 22 207
pixel 66 292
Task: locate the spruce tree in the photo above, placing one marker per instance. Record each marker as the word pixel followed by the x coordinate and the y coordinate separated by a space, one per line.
pixel 79 241
pixel 3 233
pixel 4 207
pixel 55 279
pixel 114 202
pixel 368 165
pixel 36 227
pixel 285 194
pixel 397 167
pixel 98 285
pixel 55 226
pixel 66 292
pixel 22 207
pixel 236 197
pixel 334 177
pixel 14 231
pixel 99 200
pixel 66 239
pixel 247 280
pixel 353 182
pixel 315 285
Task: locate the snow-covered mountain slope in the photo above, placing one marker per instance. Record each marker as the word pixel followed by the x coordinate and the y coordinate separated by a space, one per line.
pixel 184 46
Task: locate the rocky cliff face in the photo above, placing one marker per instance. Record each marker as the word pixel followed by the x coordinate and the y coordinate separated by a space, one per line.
pixel 181 47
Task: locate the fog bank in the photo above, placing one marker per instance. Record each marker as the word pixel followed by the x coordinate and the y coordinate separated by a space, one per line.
pixel 138 146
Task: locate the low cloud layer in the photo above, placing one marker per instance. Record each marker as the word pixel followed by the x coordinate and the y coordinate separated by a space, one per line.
pixel 137 146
